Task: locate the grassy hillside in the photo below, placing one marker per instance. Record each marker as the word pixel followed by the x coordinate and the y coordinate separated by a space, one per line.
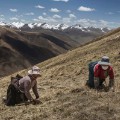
pixel 62 87
pixel 24 49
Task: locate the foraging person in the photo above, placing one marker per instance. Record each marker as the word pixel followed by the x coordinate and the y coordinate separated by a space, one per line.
pixel 19 90
pixel 98 72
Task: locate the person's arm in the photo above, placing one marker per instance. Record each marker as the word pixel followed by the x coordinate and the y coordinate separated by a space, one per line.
pixel 35 91
pixel 111 78
pixel 96 82
pixel 27 90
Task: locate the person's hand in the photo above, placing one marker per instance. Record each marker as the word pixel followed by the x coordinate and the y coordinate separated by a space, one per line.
pixel 112 89
pixel 36 101
pixel 96 84
pixel 106 88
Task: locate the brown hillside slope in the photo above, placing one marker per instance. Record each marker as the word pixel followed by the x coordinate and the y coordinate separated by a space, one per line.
pixel 20 50
pixel 62 89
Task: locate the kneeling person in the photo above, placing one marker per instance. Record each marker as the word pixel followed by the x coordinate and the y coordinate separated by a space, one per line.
pixel 23 87
pixel 98 72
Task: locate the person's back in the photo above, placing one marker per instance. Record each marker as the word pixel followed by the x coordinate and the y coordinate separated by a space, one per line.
pixel 26 83
pixel 101 73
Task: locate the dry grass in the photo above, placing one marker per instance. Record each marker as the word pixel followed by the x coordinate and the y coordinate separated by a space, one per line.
pixel 63 91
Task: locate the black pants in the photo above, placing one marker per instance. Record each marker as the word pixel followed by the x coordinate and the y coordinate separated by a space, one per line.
pixel 14 96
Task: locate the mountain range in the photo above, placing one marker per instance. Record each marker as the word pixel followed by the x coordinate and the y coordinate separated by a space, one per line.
pixel 76 32
pixel 20 25
pixel 23 45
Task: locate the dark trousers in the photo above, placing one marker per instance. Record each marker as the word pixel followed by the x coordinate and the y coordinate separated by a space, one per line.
pixel 14 96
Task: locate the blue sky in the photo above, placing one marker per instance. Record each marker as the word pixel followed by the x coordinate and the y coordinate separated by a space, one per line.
pixel 97 13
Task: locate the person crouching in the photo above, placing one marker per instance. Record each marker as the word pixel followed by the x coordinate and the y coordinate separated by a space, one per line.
pixel 98 72
pixel 19 91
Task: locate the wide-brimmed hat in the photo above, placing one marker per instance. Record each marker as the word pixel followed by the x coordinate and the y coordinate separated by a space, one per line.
pixel 104 61
pixel 35 70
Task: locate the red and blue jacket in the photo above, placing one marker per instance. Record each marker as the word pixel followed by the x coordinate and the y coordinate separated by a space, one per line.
pixel 103 74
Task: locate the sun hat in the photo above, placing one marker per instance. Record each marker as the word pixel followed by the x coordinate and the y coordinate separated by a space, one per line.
pixel 104 61
pixel 35 70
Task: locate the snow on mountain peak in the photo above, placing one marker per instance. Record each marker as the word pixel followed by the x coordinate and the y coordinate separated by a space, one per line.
pixel 63 26
pixel 31 25
pixel 53 27
pixel 2 23
pixel 17 24
pixel 46 26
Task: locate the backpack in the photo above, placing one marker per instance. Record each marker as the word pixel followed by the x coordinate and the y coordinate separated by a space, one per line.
pixel 13 94
pixel 91 66
pixel 15 79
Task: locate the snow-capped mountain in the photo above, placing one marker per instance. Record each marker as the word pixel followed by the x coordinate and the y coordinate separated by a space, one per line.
pixel 20 25
pixel 76 32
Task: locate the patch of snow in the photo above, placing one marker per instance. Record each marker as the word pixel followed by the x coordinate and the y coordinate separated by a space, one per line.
pixel 17 24
pixel 46 26
pixel 64 26
pixel 31 25
pixel 38 24
pixel 2 24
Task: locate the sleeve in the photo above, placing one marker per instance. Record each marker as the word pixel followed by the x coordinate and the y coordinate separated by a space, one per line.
pixel 111 77
pixel 35 91
pixel 111 73
pixel 27 90
pixel 96 71
pixel 96 76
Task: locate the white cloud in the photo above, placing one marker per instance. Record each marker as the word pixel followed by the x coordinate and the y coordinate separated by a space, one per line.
pixel 95 23
pixel 66 20
pixel 61 0
pixel 39 6
pixel 105 23
pixel 72 16
pixel 31 13
pixel 14 19
pixel 54 10
pixel 41 18
pixel 44 13
pixel 18 16
pixel 23 20
pixel 56 16
pixel 87 22
pixel 36 20
pixel 110 13
pixel 13 10
pixel 1 15
pixel 68 11
pixel 1 19
pixel 85 9
pixel 48 20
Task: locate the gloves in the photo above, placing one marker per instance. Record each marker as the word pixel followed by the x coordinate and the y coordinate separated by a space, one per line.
pixel 112 89
pixel 36 101
pixel 96 84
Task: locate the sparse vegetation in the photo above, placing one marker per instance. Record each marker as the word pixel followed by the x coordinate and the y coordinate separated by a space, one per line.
pixel 62 87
